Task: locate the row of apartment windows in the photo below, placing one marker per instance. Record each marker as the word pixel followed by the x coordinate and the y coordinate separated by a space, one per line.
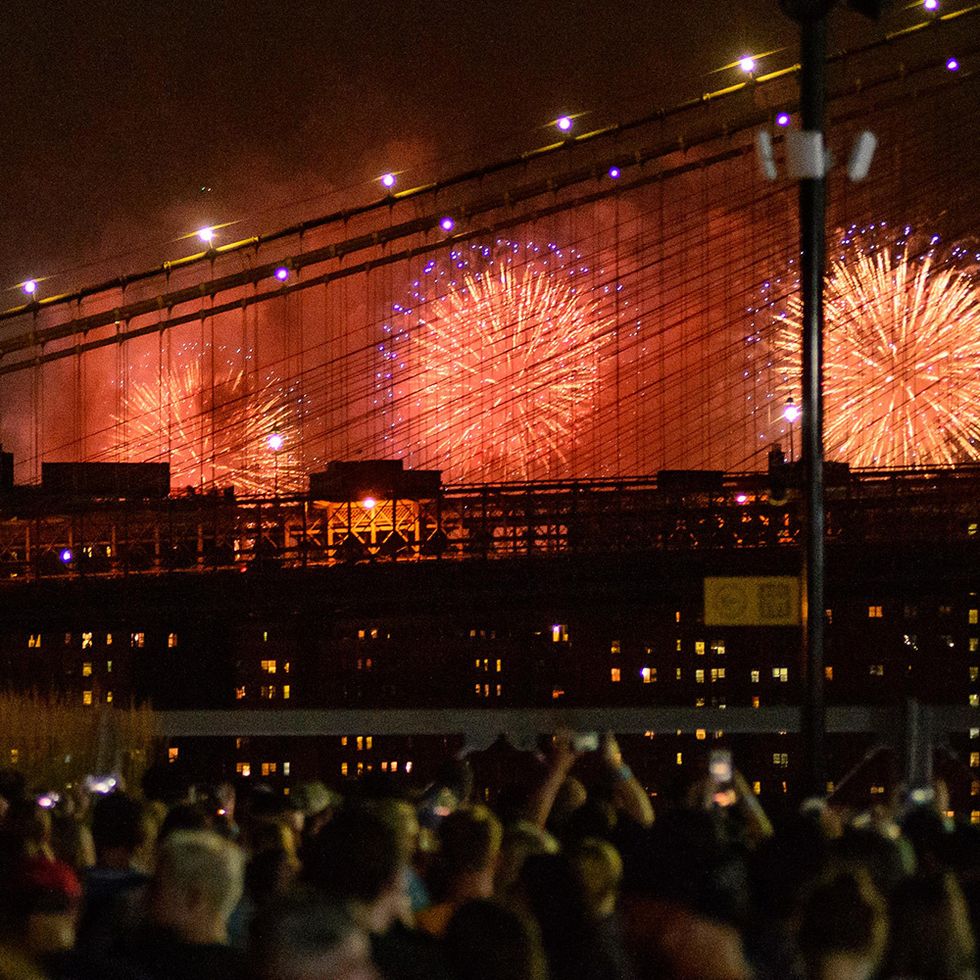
pixel 267 692
pixel 136 640
pixel 265 768
pixel 385 765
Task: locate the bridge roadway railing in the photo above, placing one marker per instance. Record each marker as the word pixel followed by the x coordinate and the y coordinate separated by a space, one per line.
pixel 912 726
pixel 45 537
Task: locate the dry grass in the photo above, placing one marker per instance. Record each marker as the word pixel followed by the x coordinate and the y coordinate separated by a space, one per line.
pixel 55 743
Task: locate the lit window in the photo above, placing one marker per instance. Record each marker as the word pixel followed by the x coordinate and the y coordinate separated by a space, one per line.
pixel 974 673
pixel 828 673
pixel 285 667
pixel 972 617
pixel 86 697
pixel 267 666
pixel 756 787
pixel 829 616
pixel 876 789
pixel 974 700
pixel 717 674
pixel 384 765
pixel 173 753
pixel 499 690
pixel 677 616
pixel 679 758
pixel 394 765
pixel 700 734
pixel 614 675
pixel 269 768
pixel 780 674
pixel 699 676
pixel 369 741
pixel 34 641
pixel 557 693
pixel 344 769
pixel 476 689
pixel 137 640
pixel 108 639
pixel 243 768
pixel 755 701
pixel 974 760
pixel 343 740
pixel 677 645
pixel 360 743
pixel 649 675
pixel 171 641
pixel 361 634
pixel 974 644
pixel 699 647
pixel 874 612
pixel 615 647
pixel 265 636
pixel 285 768
pixel 699 702
pixel 498 666
pixel 286 691
pixel 239 693
pixel 267 691
pixel 877 670
pixel 559 633
pixel 780 759
pixel 108 666
pixel 975 816
pixel 108 697
pixel 677 674
pixel 374 633
pixel 975 788
pixel 86 670
pixel 754 676
pixel 718 647
pixel 86 641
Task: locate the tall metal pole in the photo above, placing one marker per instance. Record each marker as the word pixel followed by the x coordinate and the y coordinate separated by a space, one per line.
pixel 813 209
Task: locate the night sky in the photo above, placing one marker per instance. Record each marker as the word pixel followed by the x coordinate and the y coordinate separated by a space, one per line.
pixel 127 125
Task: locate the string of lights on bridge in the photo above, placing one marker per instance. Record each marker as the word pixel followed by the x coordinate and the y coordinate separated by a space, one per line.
pixel 748 64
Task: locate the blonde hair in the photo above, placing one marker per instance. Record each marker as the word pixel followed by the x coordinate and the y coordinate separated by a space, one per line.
pixel 202 862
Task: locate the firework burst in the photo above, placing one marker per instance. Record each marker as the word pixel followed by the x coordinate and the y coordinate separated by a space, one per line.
pixel 214 436
pixel 500 357
pixel 901 353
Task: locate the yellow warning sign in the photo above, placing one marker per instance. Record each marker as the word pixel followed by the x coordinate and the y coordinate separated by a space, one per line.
pixel 752 600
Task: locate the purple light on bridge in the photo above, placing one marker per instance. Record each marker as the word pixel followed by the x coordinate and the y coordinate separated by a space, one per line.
pixel 447 223
pixel 29 287
pixel 282 273
pixel 614 173
pixel 952 64
pixel 783 119
pixel 388 180
pixel 66 555
pixel 564 123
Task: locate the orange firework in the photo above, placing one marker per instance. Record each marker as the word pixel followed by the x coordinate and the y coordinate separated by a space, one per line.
pixel 501 363
pixel 214 436
pixel 901 356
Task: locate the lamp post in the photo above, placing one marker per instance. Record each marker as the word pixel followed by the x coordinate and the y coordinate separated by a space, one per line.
pixel 791 412
pixel 275 443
